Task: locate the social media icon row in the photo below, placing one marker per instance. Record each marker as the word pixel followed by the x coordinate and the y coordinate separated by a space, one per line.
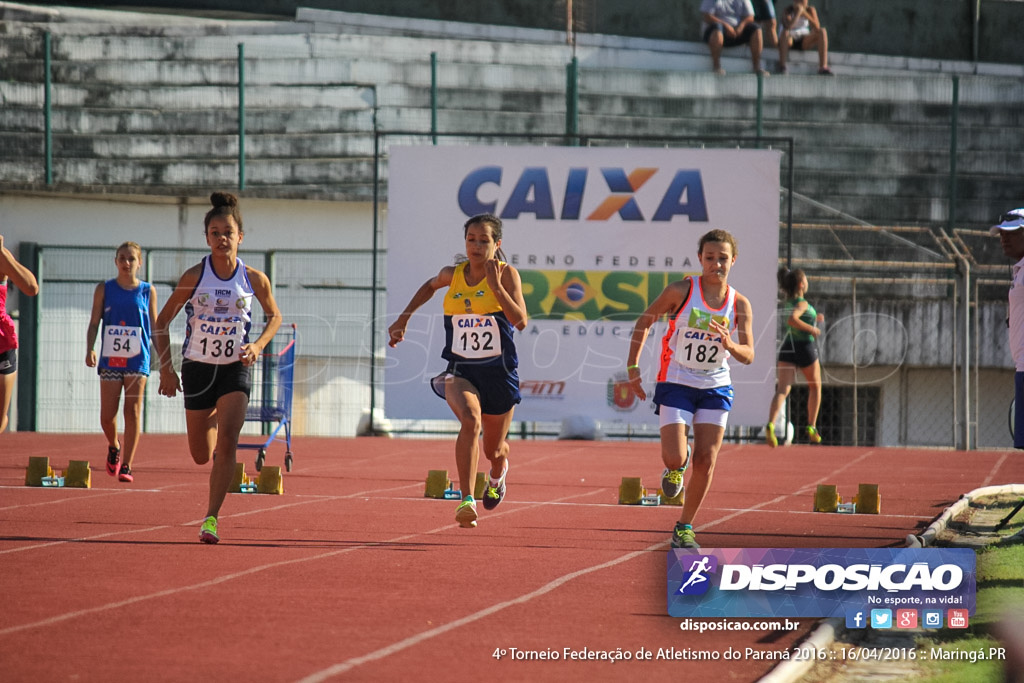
pixel 906 618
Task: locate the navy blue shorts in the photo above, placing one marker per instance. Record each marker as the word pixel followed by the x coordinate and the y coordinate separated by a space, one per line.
pixel 764 10
pixel 9 362
pixel 690 399
pixel 748 32
pixel 204 383
pixel 498 388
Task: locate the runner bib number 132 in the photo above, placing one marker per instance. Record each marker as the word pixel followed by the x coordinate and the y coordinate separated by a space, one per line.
pixel 475 336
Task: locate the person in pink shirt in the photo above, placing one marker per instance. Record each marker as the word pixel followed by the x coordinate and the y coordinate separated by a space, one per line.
pixel 10 272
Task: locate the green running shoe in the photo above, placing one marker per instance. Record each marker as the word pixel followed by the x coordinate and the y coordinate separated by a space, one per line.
pixel 683 537
pixel 769 435
pixel 465 514
pixel 208 531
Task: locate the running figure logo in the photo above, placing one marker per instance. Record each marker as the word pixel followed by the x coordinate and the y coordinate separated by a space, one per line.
pixel 696 580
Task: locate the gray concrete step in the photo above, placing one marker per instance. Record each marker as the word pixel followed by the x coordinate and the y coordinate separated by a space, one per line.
pixel 94 121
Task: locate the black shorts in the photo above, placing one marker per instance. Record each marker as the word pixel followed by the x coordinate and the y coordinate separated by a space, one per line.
pixel 9 362
pixel 741 39
pixel 205 383
pixel 498 387
pixel 802 354
pixel 764 10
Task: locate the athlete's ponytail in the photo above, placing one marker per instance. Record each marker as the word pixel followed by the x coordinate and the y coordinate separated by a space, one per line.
pixel 789 281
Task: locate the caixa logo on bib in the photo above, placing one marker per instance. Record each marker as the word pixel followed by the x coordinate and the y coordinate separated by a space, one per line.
pixel 806 582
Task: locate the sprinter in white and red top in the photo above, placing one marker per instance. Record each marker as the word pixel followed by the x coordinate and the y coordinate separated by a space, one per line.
pixel 217 355
pixel 694 389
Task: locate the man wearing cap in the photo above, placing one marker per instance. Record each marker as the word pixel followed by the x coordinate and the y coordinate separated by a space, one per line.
pixel 1011 237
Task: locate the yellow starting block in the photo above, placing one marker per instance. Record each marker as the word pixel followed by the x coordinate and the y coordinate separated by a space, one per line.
pixel 826 498
pixel 38 468
pixel 437 484
pixel 240 482
pixel 678 500
pixel 440 486
pixel 631 491
pixel 868 499
pixel 78 474
pixel 270 480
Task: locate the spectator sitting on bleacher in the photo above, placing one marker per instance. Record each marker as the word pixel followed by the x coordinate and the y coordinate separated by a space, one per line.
pixel 764 14
pixel 728 23
pixel 801 30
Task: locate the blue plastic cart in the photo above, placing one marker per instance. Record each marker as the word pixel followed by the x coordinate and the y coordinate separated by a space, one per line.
pixel 271 400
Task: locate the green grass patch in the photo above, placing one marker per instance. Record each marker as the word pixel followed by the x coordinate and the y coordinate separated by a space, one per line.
pixel 1000 582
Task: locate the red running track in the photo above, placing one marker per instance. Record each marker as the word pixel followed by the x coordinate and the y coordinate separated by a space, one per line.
pixel 352 575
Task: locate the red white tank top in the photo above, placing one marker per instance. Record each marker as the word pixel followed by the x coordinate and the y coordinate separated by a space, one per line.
pixel 691 353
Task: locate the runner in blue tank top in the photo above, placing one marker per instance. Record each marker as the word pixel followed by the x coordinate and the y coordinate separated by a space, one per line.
pixel 217 354
pixel 483 304
pixel 125 306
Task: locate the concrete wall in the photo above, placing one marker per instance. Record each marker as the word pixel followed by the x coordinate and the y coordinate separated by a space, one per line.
pixel 933 29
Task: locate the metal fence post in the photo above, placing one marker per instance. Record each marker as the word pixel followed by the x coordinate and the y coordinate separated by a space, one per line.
pixel 47 109
pixel 760 104
pixel 241 116
pixel 29 253
pixel 433 97
pixel 953 123
pixel 372 429
pixel 572 102
pixel 853 356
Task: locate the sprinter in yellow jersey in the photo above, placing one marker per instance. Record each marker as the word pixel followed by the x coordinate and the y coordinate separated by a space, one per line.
pixel 482 305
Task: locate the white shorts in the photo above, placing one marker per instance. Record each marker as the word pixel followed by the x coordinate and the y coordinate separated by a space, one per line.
pixel 668 415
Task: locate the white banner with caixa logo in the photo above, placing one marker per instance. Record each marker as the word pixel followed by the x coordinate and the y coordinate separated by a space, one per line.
pixel 596 234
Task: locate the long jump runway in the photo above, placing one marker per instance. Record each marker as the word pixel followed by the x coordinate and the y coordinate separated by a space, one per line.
pixel 352 575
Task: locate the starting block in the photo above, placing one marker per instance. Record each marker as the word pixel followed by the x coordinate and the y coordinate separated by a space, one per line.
pixel 678 500
pixel 631 491
pixel 826 498
pixel 39 473
pixel 78 474
pixel 239 479
pixel 437 484
pixel 38 469
pixel 868 499
pixel 270 481
pixel 440 486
